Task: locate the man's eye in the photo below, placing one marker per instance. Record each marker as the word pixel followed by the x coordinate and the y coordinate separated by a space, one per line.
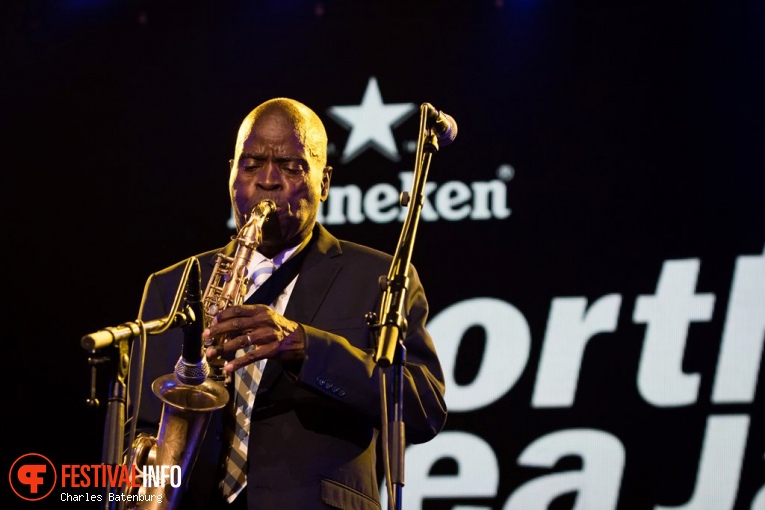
pixel 293 169
pixel 251 164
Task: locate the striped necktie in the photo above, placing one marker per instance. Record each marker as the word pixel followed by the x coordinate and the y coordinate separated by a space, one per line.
pixel 246 381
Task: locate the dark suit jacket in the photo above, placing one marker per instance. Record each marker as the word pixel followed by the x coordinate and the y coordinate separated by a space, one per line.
pixel 314 433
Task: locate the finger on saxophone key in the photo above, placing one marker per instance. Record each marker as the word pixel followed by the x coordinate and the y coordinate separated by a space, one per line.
pixel 213 352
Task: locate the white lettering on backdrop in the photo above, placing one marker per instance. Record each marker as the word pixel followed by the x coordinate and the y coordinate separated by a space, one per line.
pixel 660 380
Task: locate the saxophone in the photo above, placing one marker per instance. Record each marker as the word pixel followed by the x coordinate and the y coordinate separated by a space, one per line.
pixel 197 387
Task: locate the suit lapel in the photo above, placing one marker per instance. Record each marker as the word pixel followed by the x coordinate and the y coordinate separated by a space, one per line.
pixel 320 268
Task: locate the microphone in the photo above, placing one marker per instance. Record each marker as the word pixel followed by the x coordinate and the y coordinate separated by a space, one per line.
pixel 444 126
pixel 192 367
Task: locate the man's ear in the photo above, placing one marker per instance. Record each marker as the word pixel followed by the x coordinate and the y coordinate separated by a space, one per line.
pixel 230 164
pixel 325 178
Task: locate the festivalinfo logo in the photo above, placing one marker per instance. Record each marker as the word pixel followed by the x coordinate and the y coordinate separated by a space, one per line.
pixel 371 124
pixel 33 477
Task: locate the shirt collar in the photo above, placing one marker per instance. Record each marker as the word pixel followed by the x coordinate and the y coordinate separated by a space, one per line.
pixel 280 257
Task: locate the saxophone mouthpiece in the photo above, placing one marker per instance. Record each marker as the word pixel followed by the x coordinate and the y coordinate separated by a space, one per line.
pixel 263 209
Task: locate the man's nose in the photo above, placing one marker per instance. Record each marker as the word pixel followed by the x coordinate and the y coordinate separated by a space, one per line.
pixel 269 175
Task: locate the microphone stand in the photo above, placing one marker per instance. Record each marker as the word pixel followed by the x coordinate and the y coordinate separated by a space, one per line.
pixel 392 326
pixel 117 338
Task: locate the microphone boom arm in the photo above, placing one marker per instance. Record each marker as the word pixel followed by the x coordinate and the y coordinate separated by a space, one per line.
pixel 435 126
pixel 176 318
pixel 392 323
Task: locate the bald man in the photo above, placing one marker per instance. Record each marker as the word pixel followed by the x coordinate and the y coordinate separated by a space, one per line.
pixel 307 437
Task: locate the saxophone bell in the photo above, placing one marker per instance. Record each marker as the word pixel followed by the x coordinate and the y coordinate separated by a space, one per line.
pixel 186 413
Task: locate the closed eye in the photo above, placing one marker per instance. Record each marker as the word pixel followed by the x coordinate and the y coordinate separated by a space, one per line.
pixel 292 166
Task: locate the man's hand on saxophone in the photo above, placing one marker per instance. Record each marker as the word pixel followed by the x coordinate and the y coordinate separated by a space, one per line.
pixel 270 334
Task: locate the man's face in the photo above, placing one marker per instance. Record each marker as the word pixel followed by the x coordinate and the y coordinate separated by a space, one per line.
pixel 273 162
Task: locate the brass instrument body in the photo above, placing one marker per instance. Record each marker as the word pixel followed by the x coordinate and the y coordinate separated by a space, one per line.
pixel 187 408
pixel 186 414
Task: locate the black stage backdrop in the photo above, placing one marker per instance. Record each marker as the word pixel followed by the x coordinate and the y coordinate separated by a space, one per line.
pixel 591 243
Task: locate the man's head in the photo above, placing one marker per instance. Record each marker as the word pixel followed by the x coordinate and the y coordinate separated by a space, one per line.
pixel 281 154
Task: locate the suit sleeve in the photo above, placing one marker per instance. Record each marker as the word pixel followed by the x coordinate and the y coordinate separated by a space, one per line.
pixel 340 364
